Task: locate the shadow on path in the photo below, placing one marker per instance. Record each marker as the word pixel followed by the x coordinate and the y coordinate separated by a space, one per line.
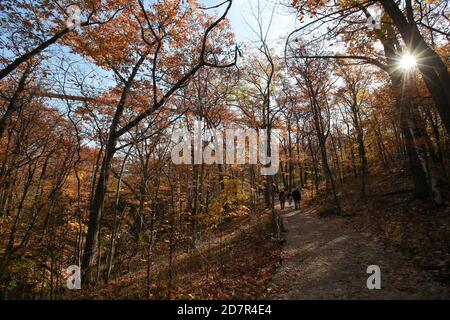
pixel 323 258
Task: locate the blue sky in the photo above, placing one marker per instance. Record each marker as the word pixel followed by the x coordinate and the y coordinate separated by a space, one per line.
pixel 241 15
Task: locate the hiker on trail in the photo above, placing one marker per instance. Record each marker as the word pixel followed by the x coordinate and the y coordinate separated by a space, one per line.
pixel 289 196
pixel 282 198
pixel 297 197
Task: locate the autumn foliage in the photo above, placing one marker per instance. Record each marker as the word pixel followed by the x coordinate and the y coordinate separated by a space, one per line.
pixel 86 123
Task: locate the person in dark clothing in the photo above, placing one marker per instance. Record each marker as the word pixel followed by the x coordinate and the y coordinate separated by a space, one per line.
pixel 282 198
pixel 289 197
pixel 296 195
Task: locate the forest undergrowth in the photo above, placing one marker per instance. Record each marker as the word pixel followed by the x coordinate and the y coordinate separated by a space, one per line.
pixel 235 262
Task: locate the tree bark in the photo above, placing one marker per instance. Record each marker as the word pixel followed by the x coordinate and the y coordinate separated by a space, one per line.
pixel 434 71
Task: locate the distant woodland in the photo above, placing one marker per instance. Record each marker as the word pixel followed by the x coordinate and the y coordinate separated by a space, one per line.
pixel 88 109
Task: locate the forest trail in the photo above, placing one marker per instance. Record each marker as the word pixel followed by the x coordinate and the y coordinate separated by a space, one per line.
pixel 325 258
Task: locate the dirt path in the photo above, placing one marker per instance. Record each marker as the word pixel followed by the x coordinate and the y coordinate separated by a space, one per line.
pixel 324 258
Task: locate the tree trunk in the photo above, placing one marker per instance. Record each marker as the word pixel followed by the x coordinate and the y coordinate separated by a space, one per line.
pixel 95 212
pixel 434 71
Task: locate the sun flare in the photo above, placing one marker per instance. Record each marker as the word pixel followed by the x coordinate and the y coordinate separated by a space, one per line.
pixel 407 61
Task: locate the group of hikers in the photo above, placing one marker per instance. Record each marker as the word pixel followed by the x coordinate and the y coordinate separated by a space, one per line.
pixel 291 195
